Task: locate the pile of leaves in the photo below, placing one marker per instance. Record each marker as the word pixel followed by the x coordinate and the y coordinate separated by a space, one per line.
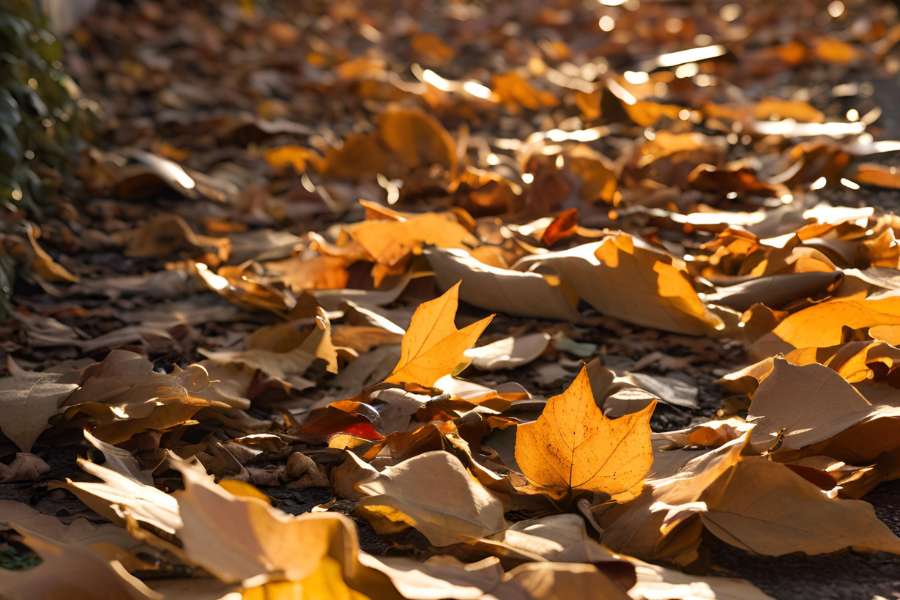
pixel 426 300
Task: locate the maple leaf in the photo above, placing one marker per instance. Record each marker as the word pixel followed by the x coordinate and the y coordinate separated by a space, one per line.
pixel 433 346
pixel 573 446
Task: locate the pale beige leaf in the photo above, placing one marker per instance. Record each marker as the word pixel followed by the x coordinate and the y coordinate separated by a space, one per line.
pixel 766 508
pixel 661 524
pixel 70 571
pixel 26 403
pixel 439 577
pixel 556 581
pixel 811 409
pixel 509 352
pixel 434 493
pixel 502 290
pixel 239 537
pixel 118 496
pixel 659 583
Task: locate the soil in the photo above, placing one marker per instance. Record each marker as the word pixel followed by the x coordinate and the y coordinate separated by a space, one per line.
pixel 847 575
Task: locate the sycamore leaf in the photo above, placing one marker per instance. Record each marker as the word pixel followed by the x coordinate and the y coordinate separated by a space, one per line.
pixel 767 508
pixel 433 346
pixel 105 540
pixel 655 583
pixel 390 241
pixel 434 493
pixel 573 446
pixel 118 496
pixel 811 409
pixel 661 523
pixel 822 324
pixel 555 580
pixel 281 351
pixel 626 278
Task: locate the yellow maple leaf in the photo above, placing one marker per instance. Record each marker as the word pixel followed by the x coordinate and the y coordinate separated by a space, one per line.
pixel 573 446
pixel 432 346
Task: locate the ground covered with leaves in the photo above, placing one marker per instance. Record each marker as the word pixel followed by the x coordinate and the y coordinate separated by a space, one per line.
pixel 422 300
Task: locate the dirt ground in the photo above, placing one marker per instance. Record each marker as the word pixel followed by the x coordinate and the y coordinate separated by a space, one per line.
pixel 118 55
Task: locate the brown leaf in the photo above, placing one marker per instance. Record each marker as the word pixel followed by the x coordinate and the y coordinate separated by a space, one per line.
pixel 27 401
pixel 625 278
pixel 434 493
pixel 502 290
pixel 768 509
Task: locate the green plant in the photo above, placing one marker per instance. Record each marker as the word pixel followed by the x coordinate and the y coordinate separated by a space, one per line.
pixel 39 115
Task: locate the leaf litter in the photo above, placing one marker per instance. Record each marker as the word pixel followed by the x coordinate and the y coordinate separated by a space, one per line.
pixel 531 301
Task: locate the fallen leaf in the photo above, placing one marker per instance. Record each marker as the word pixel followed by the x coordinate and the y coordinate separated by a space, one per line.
pixel 416 138
pixel 821 325
pixel 24 467
pixel 659 583
pixel 508 353
pixel 388 242
pixel 434 493
pixel 503 290
pixel 285 354
pixel 433 346
pixel 573 446
pixel 625 278
pixel 42 264
pixel 878 175
pixel 26 404
pixel 118 496
pixel 766 508
pixel 662 523
pixel 70 571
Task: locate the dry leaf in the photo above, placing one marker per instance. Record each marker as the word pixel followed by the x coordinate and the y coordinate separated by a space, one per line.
pixel 70 571
pixel 821 325
pixel 878 175
pixel 238 538
pixel 388 242
pixel 625 278
pixel 659 583
pixel 503 290
pixel 27 402
pixel 42 264
pixel 508 353
pixel 119 496
pixel 766 508
pixel 434 493
pixel 416 138
pixel 661 524
pixel 285 354
pixel 433 346
pixel 573 446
